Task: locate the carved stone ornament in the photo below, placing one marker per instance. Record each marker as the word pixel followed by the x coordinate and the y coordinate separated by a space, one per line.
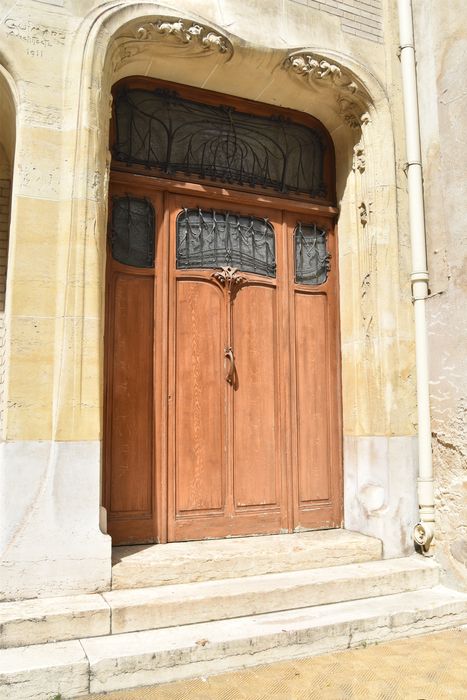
pixel 359 160
pixel 183 32
pixel 175 37
pixel 229 278
pixel 320 73
pixel 365 210
pixel 317 68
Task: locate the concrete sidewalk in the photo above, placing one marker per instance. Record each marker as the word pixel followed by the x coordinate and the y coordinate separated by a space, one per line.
pixel 430 667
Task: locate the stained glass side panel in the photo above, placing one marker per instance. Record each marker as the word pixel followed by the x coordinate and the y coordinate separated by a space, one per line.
pixel 159 129
pixel 312 260
pixel 132 231
pixel 211 239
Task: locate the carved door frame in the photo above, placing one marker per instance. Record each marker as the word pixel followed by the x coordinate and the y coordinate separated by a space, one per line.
pixel 161 190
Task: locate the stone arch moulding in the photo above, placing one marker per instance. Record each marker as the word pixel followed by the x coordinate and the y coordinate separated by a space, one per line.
pixel 130 39
pixel 116 36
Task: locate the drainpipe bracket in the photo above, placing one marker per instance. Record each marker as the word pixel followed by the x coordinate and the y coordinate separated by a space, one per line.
pixel 419 281
pixel 421 276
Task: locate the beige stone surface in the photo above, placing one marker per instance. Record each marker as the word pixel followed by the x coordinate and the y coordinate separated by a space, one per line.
pixel 36 621
pixel 430 667
pixel 168 606
pixel 143 658
pixel 44 671
pixel 442 40
pixel 181 562
pixel 125 660
pixel 50 540
pixel 46 620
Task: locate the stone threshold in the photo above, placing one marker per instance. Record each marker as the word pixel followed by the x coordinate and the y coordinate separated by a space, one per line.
pixel 141 566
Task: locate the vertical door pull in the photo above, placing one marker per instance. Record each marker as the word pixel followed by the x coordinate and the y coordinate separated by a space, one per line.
pixel 229 377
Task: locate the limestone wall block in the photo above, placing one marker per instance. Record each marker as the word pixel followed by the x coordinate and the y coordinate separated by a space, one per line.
pixel 31 360
pixel 79 412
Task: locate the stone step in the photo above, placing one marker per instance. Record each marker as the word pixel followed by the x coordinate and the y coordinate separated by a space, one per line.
pixel 122 661
pixel 53 619
pixel 116 612
pixel 182 604
pixel 185 562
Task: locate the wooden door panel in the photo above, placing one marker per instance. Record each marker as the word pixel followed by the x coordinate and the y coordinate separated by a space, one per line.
pixel 228 462
pixel 315 416
pixel 199 397
pixel 129 449
pixel 255 454
pixel 131 428
pixel 312 389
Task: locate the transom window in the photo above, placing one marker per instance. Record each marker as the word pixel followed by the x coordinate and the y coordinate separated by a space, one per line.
pixel 160 130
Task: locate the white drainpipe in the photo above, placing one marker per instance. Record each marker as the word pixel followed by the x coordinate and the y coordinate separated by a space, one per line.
pixel 424 530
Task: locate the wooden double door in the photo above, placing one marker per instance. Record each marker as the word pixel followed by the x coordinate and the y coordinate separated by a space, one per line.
pixel 221 370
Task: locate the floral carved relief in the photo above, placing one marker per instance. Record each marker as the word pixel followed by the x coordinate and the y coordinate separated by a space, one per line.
pixel 316 68
pixel 185 33
pixel 359 159
pixel 320 73
pixel 229 279
pixel 182 35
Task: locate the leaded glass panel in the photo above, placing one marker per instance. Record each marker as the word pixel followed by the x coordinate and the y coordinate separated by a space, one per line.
pixel 132 231
pixel 159 129
pixel 211 239
pixel 312 259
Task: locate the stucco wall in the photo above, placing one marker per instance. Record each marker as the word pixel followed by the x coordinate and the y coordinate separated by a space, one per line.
pixel 441 40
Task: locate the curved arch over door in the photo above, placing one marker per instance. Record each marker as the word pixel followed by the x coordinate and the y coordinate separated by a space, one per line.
pixel 222 402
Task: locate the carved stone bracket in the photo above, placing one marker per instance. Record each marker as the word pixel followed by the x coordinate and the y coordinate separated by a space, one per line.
pixel 229 279
pixel 320 73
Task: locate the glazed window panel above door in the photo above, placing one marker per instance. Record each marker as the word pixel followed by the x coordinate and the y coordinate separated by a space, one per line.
pixel 210 239
pixel 312 258
pixel 162 130
pixel 132 231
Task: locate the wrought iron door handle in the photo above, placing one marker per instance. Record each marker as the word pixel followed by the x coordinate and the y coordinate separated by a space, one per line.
pixel 229 377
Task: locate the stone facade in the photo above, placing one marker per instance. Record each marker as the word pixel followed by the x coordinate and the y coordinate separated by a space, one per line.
pixel 362 19
pixel 335 60
pixel 442 48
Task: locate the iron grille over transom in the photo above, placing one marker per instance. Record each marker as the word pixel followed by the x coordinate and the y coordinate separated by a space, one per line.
pixel 132 231
pixel 158 129
pixel 312 260
pixel 211 239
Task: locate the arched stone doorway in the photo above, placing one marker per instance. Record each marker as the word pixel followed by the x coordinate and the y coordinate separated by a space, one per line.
pixel 350 101
pixel 222 412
